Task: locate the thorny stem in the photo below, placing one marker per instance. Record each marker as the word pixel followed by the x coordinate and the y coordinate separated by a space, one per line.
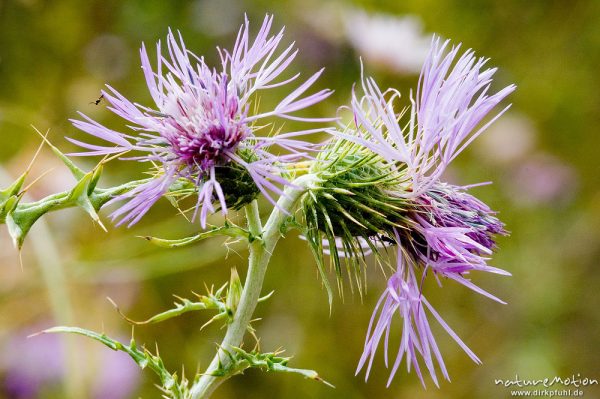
pixel 59 201
pixel 260 254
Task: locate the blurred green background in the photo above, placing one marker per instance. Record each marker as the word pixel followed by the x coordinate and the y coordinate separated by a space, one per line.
pixel 55 57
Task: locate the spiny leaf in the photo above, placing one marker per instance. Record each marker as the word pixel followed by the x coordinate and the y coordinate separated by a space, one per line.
pixel 8 205
pixel 80 194
pixel 234 292
pixel 15 231
pixel 229 230
pixel 144 358
pixel 266 297
pixel 22 216
pixel 206 302
pixel 14 188
pixel 75 170
pixel 241 360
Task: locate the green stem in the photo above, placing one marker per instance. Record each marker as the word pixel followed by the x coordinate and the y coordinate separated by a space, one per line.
pixel 260 254
pixel 56 283
pixel 98 198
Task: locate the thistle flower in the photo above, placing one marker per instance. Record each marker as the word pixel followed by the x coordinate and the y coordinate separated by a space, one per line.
pixel 450 230
pixel 203 129
pixel 444 229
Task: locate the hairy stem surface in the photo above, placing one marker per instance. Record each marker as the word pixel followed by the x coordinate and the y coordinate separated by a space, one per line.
pixel 260 254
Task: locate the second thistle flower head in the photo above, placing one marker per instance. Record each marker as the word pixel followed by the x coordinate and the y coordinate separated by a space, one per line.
pixel 446 226
pixel 381 184
pixel 204 127
pixel 383 173
pixel 450 232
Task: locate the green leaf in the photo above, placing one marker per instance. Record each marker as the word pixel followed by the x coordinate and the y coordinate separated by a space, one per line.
pixel 20 217
pixel 234 293
pixel 205 302
pixel 13 189
pixel 15 231
pixel 80 194
pixel 75 170
pixel 229 230
pixel 173 388
pixel 269 362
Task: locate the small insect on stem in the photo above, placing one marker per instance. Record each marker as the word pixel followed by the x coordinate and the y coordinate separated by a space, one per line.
pixel 98 100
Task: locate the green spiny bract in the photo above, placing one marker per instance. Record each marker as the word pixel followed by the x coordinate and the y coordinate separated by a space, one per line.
pixel 353 208
pixel 237 184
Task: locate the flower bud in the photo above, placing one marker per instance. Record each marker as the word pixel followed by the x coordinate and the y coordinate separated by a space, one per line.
pixel 234 292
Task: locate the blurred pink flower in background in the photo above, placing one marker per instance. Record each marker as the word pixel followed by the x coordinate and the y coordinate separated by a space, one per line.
pixel 117 377
pixel 542 179
pixel 507 141
pixel 30 365
pixel 532 176
pixel 36 364
pixel 393 42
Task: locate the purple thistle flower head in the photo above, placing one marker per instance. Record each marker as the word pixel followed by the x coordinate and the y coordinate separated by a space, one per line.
pixel 453 233
pixel 458 230
pixel 448 230
pixel 204 124
pixel 445 230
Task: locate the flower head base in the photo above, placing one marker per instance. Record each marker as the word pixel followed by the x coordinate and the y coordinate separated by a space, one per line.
pixel 350 213
pixel 204 123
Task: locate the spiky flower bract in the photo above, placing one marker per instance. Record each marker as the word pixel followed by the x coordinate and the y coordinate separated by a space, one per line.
pixel 381 185
pixel 205 126
pixel 345 212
